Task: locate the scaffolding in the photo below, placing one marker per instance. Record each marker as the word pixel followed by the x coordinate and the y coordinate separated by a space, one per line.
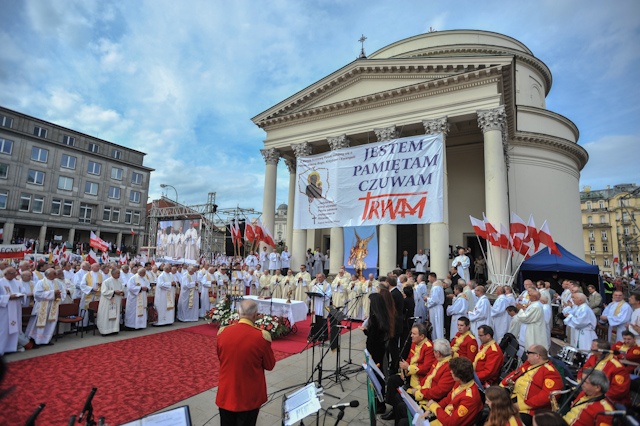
pixel 214 221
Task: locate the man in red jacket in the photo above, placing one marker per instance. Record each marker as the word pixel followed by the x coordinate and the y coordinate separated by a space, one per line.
pixel 244 352
pixel 464 344
pixel 489 359
pixel 628 349
pixel 619 379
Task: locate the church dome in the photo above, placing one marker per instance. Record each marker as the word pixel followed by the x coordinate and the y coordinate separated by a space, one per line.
pixel 282 207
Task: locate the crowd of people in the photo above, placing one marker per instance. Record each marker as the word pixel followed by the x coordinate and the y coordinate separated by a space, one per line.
pixel 443 335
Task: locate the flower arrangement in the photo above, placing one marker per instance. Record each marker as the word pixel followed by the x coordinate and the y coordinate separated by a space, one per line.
pixel 222 315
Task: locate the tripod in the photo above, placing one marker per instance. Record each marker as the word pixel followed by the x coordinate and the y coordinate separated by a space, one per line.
pixel 350 312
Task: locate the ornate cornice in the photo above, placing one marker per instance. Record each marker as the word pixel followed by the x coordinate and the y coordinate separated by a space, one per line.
pixel 387 133
pixel 492 119
pixel 461 81
pixel 291 164
pixel 439 125
pixel 339 142
pixel 270 155
pixel 563 146
pixel 301 149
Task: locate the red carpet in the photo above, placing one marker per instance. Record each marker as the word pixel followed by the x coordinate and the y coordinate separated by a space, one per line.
pixel 291 344
pixel 134 377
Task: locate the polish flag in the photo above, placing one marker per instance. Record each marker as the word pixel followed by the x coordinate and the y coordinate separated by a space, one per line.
pixel 479 227
pixel 105 257
pixel 532 234
pixel 64 256
pixel 249 234
pixel 616 260
pixel 123 260
pixel 97 243
pixel 118 251
pixel 236 230
pixel 268 238
pixel 91 257
pixel 503 240
pixel 492 233
pixel 56 255
pixel 232 231
pixel 133 232
pixel 258 231
pixel 545 238
pixel 517 226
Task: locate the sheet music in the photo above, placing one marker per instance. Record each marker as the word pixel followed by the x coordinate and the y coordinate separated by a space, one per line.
pixel 301 404
pixel 416 411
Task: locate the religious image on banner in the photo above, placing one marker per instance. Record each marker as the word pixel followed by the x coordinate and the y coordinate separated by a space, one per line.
pixel 361 249
pixel 179 239
pixel 392 182
pixel 315 186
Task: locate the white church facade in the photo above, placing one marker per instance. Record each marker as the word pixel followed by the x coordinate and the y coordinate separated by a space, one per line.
pixel 505 152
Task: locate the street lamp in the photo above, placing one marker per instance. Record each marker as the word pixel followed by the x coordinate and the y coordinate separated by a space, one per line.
pixel 164 185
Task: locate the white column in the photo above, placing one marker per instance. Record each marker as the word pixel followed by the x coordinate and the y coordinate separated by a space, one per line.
pixel 298 245
pixel 291 165
pixel 336 255
pixel 311 240
pixel 8 232
pixel 42 236
pixel 271 157
pixel 439 232
pixel 388 241
pixel 492 123
pixel 119 240
pixel 71 237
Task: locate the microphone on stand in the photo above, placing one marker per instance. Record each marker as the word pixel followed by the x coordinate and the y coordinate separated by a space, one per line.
pixel 31 421
pixel 344 405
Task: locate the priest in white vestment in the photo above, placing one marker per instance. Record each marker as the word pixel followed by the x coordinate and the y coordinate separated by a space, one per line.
pixel 285 258
pixel 180 244
pixel 419 293
pixel 617 314
pixel 339 289
pixel 288 285
pixel 532 317
pixel 277 281
pixel 223 282
pixel 319 303
pixel 11 298
pixel 189 296
pixel 499 316
pixel 481 313
pixel 582 321
pixel 264 289
pixel 368 287
pixel 303 279
pixel 458 308
pixel 421 262
pixel 548 314
pixel 435 307
pixel 110 306
pixel 207 283
pixel 44 317
pixel 77 279
pixel 274 257
pixel 252 282
pixel 136 313
pixel 251 261
pixel 90 290
pixel 165 298
pixel 353 308
pixel 462 262
pixel 264 259
pixel 190 241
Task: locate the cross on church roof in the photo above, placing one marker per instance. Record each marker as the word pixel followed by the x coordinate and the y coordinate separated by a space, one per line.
pixel 361 40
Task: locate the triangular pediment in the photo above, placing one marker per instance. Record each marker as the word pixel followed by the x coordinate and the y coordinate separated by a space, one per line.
pixel 364 80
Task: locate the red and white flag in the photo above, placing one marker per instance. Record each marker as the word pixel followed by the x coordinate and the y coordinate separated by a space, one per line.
pixel 64 256
pixel 492 234
pixel 249 235
pixel 504 241
pixel 118 251
pixel 268 238
pixel 259 231
pixel 479 227
pixel 91 257
pixel 232 231
pixel 56 255
pixel 97 243
pixel 532 234
pixel 238 234
pixel 616 260
pixel 133 232
pixel 545 238
pixel 123 260
pixel 517 226
pixel 105 257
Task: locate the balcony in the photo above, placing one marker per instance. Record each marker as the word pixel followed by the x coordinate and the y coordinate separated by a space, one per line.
pixel 592 239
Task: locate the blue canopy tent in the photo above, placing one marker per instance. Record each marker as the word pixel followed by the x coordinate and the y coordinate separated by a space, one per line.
pixel 542 266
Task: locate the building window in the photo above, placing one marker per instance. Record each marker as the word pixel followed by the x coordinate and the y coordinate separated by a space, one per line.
pixel 65 183
pixel 106 214
pixel 35 177
pixel 91 188
pixel 39 154
pixel 136 218
pixel 69 140
pixel 114 192
pixel 6 121
pixel 116 173
pixel 589 220
pixel 93 168
pixel 85 213
pixel 589 205
pixel 601 204
pixel 25 202
pixel 128 214
pixel 593 261
pixel 4 171
pixel 67 207
pixel 4 196
pixel 68 162
pixel 38 204
pixel 626 231
pixel 606 262
pixel 6 146
pixel 134 196
pixel 117 154
pixel 605 248
pixel 592 248
pixel 56 205
pixel 136 178
pixel 591 235
pixel 604 235
pixel 115 216
pixel 40 131
pixel 623 202
pixel 603 219
pixel 94 147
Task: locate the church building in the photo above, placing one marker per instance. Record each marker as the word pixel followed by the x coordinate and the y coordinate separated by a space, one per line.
pixel 485 92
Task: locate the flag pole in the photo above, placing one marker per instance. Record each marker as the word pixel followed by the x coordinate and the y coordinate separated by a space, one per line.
pixel 524 257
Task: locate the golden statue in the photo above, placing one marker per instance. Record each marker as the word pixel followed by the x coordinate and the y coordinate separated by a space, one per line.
pixel 359 251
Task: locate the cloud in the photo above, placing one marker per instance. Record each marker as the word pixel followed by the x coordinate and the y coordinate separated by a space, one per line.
pixel 612 160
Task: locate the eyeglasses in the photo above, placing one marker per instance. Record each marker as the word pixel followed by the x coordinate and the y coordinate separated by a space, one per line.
pixel 532 353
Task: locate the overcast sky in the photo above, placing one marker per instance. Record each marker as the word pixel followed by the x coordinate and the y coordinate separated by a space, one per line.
pixel 180 80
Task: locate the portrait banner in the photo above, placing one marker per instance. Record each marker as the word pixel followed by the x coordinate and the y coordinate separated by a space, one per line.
pixel 393 182
pixel 361 249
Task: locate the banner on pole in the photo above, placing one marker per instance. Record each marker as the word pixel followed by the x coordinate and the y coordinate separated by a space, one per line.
pixel 393 182
pixel 361 249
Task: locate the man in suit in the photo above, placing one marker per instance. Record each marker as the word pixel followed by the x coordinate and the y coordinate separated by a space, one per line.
pixel 394 343
pixel 405 262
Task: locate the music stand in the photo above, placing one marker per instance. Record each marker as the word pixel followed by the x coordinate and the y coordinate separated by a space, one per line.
pixel 314 323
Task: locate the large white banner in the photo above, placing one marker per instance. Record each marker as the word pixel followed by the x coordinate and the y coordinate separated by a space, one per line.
pixel 396 182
